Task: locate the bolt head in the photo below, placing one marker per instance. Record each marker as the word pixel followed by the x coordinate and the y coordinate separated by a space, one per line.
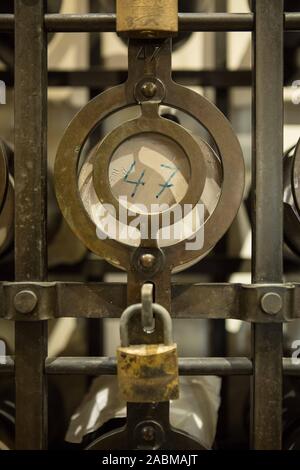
pixel 271 303
pixel 147 261
pixel 149 89
pixel 148 433
pixel 25 301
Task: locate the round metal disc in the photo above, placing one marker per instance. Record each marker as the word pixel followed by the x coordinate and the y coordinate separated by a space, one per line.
pixel 291 199
pixel 66 175
pixel 296 176
pixel 7 218
pixel 209 197
pixel 3 174
pixel 157 126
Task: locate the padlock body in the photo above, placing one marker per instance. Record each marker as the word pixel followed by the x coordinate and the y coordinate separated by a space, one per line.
pixel 148 373
pixel 144 18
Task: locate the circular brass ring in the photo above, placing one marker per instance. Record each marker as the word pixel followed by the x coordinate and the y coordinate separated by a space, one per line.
pixel 3 174
pixel 71 145
pixel 296 176
pixel 230 152
pixel 150 122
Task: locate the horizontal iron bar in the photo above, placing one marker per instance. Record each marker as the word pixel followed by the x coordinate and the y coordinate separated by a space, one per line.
pixel 108 300
pixel 187 366
pixel 223 366
pixel 102 78
pixel 187 22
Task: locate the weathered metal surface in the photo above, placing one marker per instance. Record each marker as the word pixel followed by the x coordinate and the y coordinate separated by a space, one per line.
pixel 30 216
pixel 291 199
pixel 6 197
pixel 153 432
pixel 267 217
pixel 152 60
pixel 3 174
pixel 148 373
pixel 241 301
pixel 95 366
pixel 222 366
pixel 108 300
pixel 100 77
pixel 187 22
pixel 141 18
pixel 147 316
pixel 296 175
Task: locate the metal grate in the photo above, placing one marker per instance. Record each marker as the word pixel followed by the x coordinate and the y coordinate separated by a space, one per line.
pixel 31 365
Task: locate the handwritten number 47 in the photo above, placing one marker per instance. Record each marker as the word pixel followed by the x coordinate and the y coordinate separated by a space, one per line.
pixel 140 182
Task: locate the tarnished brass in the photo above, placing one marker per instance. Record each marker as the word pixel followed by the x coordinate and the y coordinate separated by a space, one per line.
pixel 150 122
pixel 6 197
pixel 147 373
pixel 149 62
pixel 147 19
pixel 291 198
pixel 3 173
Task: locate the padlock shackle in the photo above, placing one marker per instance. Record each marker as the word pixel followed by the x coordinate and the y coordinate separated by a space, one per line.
pixel 158 310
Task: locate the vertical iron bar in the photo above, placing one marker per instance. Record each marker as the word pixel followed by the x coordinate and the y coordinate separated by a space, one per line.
pixel 268 224
pixel 218 336
pixel 95 325
pixel 218 330
pixel 30 216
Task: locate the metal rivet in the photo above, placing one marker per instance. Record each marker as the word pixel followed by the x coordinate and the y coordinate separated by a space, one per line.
pixel 148 433
pixel 25 301
pixel 271 303
pixel 149 89
pixel 147 261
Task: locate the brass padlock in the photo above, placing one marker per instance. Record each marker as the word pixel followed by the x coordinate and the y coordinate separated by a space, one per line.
pixel 144 18
pixel 148 373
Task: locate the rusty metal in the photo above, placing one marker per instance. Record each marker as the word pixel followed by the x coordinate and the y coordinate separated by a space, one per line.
pixel 147 373
pixel 141 18
pixel 30 216
pixel 266 411
pixel 108 300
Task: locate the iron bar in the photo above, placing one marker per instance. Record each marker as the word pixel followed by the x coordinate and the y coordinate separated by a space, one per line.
pixel 187 22
pixel 95 327
pixel 268 220
pixel 30 216
pixel 187 366
pixel 31 364
pixel 94 366
pixel 217 328
pixel 108 300
pixel 99 77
